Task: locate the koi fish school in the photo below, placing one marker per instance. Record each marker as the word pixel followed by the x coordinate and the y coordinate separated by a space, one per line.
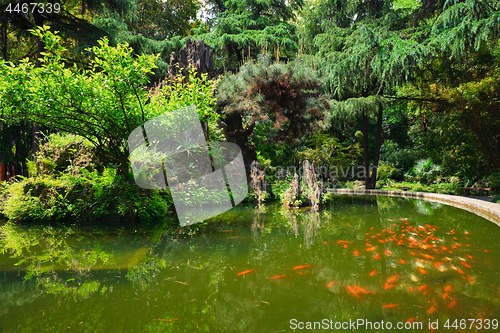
pixel 327 324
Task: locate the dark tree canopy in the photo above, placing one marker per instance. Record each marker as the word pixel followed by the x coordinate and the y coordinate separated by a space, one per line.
pixel 283 100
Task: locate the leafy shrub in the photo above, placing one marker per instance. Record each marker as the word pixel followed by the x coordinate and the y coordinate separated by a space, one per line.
pixel 385 172
pixel 424 171
pixel 447 188
pixel 279 187
pixel 355 185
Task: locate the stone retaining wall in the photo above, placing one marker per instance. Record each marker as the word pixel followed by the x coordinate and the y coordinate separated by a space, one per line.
pixel 488 210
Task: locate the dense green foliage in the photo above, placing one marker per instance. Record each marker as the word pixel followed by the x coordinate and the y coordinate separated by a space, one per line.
pixel 66 186
pixel 408 86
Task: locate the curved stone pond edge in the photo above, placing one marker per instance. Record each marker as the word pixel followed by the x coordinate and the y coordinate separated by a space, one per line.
pixel 488 210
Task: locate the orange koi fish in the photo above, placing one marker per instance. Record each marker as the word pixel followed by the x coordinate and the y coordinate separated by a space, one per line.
pixel 426 292
pixel 469 256
pixel 330 284
pixel 371 249
pixel 426 256
pixel 356 253
pixel 389 286
pixel 445 295
pixel 361 290
pixel 303 266
pixel 246 272
pixel 448 288
pixel 432 309
pixel 367 233
pixel 279 277
pixel 460 271
pixel 411 320
pixel 411 289
pixel 388 306
pixel 381 241
pixel 353 291
pixel 423 271
pixel 465 264
pixel 437 264
pixel 413 253
pixel 373 273
pixel 344 242
pixel 452 303
pixel 469 278
pixel 387 252
pixel 392 278
pixel 325 242
pixel 423 287
pixel 444 248
pixel 377 256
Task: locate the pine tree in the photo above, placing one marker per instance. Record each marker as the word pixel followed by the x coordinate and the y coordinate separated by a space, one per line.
pixel 283 101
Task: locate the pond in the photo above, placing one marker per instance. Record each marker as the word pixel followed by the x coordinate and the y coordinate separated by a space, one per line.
pixel 365 263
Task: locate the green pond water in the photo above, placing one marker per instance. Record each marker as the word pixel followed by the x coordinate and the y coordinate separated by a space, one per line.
pixel 363 259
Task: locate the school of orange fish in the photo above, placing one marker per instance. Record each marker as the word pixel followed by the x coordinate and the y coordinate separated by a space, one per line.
pixel 429 253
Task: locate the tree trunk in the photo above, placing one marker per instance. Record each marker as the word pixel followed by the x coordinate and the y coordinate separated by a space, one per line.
pixel 366 153
pixel 378 143
pixel 235 133
pixel 124 167
pixel 3 36
pixel 2 172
